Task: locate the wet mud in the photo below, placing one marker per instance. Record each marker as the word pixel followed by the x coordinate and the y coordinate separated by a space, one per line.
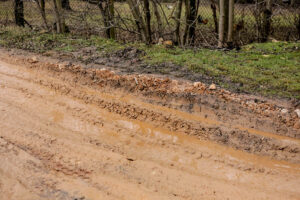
pixel 71 132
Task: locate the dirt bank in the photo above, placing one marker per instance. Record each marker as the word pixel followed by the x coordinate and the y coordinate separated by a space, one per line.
pixel 69 132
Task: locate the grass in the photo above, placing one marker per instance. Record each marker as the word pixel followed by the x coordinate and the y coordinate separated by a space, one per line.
pixel 270 69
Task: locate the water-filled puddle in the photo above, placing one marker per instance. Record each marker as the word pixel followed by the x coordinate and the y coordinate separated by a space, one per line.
pixel 228 152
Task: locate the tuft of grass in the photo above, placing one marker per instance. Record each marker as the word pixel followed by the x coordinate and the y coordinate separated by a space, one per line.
pixel 24 38
pixel 269 69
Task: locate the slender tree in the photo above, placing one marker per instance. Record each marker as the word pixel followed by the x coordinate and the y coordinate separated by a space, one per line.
pixel 226 8
pixel 226 23
pixel 187 22
pixel 178 21
pixel 192 21
pixel 108 12
pixel 267 14
pixel 41 7
pixel 111 14
pixel 221 24
pixel 191 7
pixel 60 22
pixel 19 12
pixel 293 3
pixel 214 11
pixel 297 23
pixel 158 19
pixel 66 4
pixel 135 10
pixel 148 21
pixel 230 23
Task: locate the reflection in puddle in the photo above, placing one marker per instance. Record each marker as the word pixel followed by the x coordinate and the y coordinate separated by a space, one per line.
pixel 193 117
pixel 144 129
pixel 73 124
pixel 227 152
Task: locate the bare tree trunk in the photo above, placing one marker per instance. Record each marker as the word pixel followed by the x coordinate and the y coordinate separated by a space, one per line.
pixel 60 22
pixel 187 17
pixel 41 7
pixel 135 10
pixel 66 4
pixel 297 24
pixel 293 3
pixel 230 23
pixel 158 19
pixel 148 21
pixel 267 20
pixel 221 24
pixel 19 12
pixel 103 9
pixel 111 14
pixel 178 22
pixel 226 19
pixel 192 21
pixel 214 11
pixel 191 17
pixel 107 12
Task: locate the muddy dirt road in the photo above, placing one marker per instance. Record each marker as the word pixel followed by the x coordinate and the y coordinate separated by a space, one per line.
pixel 62 137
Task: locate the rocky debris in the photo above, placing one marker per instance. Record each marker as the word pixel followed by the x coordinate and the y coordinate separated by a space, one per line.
pixel 165 89
pixel 201 87
pixel 198 84
pixel 79 198
pixel 212 87
pixel 296 104
pixel 89 50
pixel 297 111
pixel 100 61
pixel 129 53
pixel 163 86
pixel 284 111
pixel 33 59
pixel 65 65
pixel 297 125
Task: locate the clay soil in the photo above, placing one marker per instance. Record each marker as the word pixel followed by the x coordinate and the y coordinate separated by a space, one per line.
pixel 68 132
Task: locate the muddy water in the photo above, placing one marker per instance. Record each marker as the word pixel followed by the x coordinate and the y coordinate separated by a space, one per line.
pixel 193 117
pixel 58 142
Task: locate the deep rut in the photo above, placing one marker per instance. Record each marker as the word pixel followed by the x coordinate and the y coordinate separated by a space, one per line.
pixel 62 137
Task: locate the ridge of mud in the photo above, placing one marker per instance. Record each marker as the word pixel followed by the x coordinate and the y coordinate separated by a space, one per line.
pixel 236 138
pixel 270 115
pixel 166 89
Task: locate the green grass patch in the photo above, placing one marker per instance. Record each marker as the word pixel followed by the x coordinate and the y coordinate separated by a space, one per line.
pixel 269 69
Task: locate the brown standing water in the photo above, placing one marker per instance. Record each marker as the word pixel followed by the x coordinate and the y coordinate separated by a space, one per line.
pixel 70 133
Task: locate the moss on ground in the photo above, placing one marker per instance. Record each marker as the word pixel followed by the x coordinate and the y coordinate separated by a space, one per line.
pixel 269 69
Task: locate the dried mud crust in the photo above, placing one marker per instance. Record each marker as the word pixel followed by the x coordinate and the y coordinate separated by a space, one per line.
pixel 251 125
